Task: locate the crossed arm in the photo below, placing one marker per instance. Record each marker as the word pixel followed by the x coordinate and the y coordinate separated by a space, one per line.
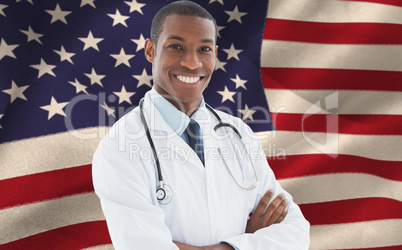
pixel 264 216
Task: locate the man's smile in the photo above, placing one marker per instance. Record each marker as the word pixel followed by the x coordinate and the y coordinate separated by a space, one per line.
pixel 188 79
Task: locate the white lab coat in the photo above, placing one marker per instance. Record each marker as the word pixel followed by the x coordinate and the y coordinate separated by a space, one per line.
pixel 207 207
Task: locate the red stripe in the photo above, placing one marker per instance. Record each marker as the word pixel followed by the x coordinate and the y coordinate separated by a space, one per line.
pixel 76 236
pixel 318 164
pixel 46 186
pixel 333 33
pixel 352 210
pixel 337 79
pixel 387 2
pixel 398 247
pixel 344 124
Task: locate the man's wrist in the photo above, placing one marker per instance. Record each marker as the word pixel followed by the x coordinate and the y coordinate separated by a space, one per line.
pixel 220 246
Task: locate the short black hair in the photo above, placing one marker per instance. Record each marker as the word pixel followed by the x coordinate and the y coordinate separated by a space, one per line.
pixel 181 8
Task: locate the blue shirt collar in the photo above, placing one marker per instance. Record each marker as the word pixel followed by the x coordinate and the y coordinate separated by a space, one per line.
pixel 177 120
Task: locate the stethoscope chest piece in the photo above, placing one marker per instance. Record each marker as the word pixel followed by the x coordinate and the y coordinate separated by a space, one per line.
pixel 164 194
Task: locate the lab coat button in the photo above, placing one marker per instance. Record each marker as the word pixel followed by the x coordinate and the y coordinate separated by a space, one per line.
pixel 218 235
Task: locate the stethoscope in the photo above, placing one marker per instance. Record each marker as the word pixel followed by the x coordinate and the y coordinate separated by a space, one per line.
pixel 164 193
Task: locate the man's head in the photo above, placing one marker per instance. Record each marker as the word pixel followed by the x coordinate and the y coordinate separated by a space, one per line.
pixel 181 8
pixel 182 53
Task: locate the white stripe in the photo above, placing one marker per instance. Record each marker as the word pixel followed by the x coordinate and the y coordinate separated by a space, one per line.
pixel 27 220
pixel 331 56
pixel 24 157
pixel 334 11
pixel 46 153
pixel 368 234
pixel 333 187
pixel 102 247
pixel 347 101
pixel 379 147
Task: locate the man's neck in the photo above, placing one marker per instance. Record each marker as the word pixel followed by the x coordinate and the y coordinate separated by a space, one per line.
pixel 188 108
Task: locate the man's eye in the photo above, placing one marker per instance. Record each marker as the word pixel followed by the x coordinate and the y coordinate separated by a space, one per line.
pixel 206 49
pixel 175 46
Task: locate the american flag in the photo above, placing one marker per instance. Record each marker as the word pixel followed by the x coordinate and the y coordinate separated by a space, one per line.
pixel 332 73
pixel 328 69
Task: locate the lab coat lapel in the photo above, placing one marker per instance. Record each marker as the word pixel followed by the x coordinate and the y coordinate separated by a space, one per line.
pixel 165 139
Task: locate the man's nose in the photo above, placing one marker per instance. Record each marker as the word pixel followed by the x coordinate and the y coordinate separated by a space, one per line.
pixel 191 60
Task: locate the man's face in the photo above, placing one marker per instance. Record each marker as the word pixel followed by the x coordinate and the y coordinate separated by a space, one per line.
pixel 184 59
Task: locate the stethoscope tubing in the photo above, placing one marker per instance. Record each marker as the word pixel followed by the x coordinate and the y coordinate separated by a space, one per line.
pixel 160 177
pixel 166 190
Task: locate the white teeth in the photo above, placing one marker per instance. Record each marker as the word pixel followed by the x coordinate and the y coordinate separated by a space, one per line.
pixel 188 79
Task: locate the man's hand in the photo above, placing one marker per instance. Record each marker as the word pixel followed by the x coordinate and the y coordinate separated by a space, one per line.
pixel 275 212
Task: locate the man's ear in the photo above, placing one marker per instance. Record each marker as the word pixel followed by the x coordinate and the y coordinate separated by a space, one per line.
pixel 149 50
pixel 216 51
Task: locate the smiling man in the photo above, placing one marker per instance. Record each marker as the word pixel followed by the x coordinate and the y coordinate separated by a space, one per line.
pixel 183 58
pixel 175 173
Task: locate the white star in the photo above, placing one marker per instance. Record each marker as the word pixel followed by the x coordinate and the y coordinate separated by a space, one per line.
pixel 135 6
pixel 78 86
pixel 2 7
pixel 118 18
pixel 232 52
pixel 122 58
pixel 44 68
pixel 235 15
pixel 58 14
pixel 16 92
pixel 32 35
pixel 29 1
pixel 90 41
pixel 89 2
pixel 64 55
pixel 220 1
pixel 109 111
pixel 247 113
pixel 123 95
pixel 95 78
pixel 7 50
pixel 219 28
pixel 144 78
pixel 239 82
pixel 140 42
pixel 220 65
pixel 55 108
pixel 0 118
pixel 227 95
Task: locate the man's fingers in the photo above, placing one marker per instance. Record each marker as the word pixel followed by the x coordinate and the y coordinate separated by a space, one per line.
pixel 275 212
pixel 264 202
pixel 275 209
pixel 279 215
pixel 283 215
